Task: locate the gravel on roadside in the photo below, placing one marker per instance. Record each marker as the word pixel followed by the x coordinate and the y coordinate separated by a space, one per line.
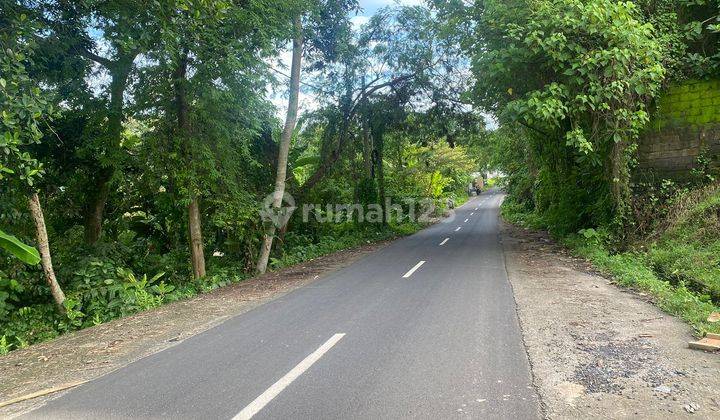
pixel 598 350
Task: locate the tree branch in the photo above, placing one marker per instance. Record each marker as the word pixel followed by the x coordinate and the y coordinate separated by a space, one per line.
pixel 94 57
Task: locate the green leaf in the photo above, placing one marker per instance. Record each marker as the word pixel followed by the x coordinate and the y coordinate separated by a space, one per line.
pixel 25 253
pixel 156 277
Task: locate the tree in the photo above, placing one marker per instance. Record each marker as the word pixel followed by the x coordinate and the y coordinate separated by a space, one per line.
pixel 580 74
pixel 689 34
pixel 327 24
pixel 129 29
pixel 399 49
pixel 286 136
pixel 25 110
pixel 206 47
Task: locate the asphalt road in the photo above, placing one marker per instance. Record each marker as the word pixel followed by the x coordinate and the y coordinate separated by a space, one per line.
pixel 376 339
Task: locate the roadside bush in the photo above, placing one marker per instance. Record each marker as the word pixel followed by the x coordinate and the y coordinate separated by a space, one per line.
pixel 518 214
pixel 32 324
pixel 680 265
pixel 9 295
pixel 687 249
pixel 652 203
pixel 630 269
pixel 344 237
pixel 102 291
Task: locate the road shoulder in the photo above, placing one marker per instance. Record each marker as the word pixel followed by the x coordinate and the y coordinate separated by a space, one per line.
pixel 93 352
pixel 597 350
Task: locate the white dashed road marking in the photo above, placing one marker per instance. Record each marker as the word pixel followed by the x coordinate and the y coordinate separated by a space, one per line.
pixel 412 270
pixel 260 402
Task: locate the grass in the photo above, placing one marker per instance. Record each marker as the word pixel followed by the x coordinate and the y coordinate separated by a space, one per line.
pixel 678 271
pixel 339 242
pixel 688 245
pixel 632 270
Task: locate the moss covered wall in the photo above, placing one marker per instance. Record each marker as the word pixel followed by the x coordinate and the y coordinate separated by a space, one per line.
pixel 685 124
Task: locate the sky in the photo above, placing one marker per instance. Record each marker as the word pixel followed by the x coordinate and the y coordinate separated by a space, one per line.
pixel 369 7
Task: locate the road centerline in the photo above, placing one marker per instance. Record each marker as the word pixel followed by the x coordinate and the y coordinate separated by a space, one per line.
pixel 458 228
pixel 261 401
pixel 412 270
pixel 444 241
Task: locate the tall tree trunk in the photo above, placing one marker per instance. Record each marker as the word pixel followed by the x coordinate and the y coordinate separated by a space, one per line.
pixel 367 146
pixel 197 254
pixel 44 249
pixel 95 207
pixel 379 141
pixel 367 149
pixel 285 138
pixel 381 187
pixel 620 179
pixel 333 150
pixel 196 243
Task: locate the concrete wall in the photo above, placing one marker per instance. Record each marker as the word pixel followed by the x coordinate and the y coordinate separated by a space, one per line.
pixel 685 124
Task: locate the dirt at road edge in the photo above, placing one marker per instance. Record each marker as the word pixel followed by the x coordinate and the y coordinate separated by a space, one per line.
pixel 597 350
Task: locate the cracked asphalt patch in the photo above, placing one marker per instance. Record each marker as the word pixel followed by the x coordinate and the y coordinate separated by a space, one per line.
pixel 610 360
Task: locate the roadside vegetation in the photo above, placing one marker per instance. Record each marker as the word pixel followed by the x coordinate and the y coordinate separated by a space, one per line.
pixel 147 147
pixel 574 84
pixel 140 142
pixel 676 265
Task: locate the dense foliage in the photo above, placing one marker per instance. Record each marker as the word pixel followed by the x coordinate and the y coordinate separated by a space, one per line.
pixel 148 132
pixel 573 84
pixel 140 141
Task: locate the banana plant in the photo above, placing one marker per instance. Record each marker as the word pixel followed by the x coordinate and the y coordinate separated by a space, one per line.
pixel 25 253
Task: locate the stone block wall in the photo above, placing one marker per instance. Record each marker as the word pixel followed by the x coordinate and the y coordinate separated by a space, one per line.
pixel 685 124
